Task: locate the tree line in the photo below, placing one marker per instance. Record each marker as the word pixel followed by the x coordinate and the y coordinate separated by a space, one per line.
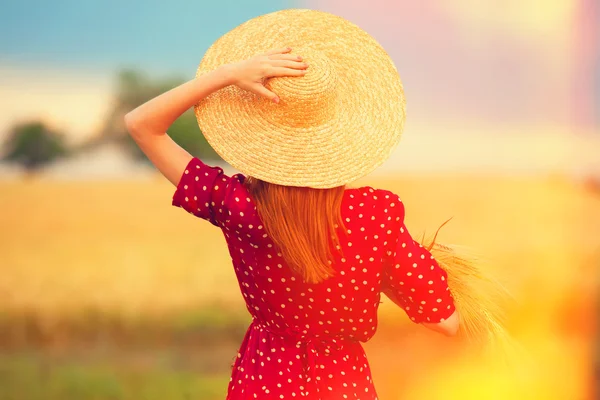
pixel 32 144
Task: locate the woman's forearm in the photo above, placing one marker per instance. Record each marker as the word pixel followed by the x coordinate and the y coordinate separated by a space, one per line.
pixel 156 116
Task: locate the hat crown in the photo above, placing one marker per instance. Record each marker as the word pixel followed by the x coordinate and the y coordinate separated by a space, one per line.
pixel 333 125
pixel 309 100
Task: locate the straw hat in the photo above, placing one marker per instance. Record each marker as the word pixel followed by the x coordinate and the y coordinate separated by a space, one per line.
pixel 332 126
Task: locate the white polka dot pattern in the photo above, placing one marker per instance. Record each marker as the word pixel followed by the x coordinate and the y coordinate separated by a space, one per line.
pixel 304 340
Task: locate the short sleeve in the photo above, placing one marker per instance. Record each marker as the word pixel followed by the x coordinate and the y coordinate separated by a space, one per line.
pixel 412 277
pixel 202 191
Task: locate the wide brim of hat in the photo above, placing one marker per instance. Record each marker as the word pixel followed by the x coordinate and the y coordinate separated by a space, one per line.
pixel 363 132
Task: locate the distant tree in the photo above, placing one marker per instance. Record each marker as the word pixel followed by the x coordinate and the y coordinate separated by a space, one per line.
pixel 133 89
pixel 32 145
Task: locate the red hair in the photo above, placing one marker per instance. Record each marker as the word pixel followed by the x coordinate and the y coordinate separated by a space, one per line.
pixel 302 223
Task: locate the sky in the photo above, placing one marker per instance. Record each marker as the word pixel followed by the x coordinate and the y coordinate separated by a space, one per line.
pixel 58 60
pixel 159 36
pixel 529 62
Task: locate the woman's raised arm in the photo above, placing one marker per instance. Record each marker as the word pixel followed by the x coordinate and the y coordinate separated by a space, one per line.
pixel 149 122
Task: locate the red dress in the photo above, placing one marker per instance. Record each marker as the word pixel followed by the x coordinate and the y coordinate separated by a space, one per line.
pixel 304 339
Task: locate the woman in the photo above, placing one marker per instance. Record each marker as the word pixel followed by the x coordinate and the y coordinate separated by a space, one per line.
pixel 311 254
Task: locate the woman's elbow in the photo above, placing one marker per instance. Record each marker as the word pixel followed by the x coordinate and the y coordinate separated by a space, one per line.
pixel 131 124
pixel 451 331
pixel 448 327
pixel 451 325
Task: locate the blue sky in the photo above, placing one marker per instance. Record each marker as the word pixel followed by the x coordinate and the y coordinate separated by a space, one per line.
pixel 157 36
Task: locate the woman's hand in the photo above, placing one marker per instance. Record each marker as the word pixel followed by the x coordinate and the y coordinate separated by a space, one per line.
pixel 251 74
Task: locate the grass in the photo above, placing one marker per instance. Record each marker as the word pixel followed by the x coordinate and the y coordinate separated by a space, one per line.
pixel 29 376
pixel 206 324
pixel 111 267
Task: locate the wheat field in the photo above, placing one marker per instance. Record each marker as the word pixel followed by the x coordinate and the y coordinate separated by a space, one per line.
pixel 119 248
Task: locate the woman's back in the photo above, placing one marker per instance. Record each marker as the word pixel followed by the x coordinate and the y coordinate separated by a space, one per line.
pixel 300 331
pixel 343 306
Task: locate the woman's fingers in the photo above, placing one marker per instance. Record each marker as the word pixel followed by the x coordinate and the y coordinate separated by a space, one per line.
pixel 278 51
pixel 264 92
pixel 282 71
pixel 287 56
pixel 261 90
pixel 289 64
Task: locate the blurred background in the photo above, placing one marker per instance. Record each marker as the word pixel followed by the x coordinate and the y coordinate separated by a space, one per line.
pixel 108 292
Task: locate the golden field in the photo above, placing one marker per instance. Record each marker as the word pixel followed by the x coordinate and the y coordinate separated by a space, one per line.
pixel 119 248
